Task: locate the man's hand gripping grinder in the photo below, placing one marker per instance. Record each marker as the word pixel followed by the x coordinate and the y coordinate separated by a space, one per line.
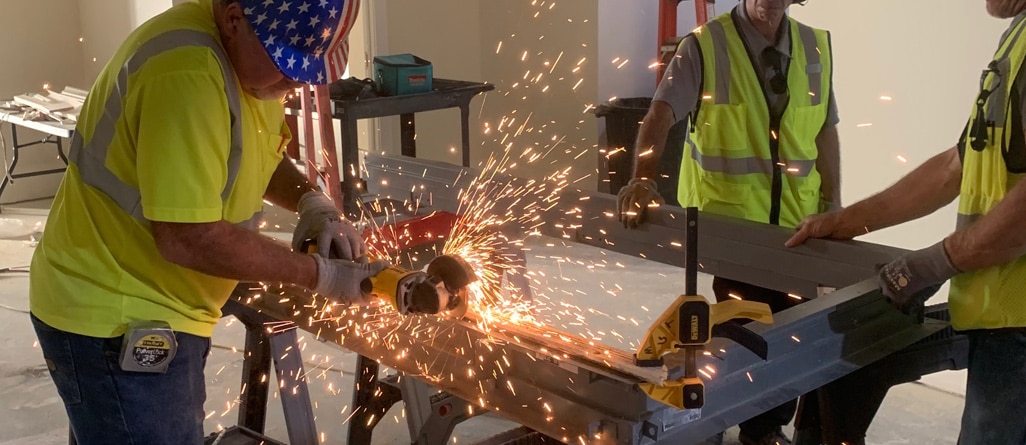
pixel 439 290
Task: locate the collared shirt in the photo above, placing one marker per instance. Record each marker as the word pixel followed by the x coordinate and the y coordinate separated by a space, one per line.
pixel 681 86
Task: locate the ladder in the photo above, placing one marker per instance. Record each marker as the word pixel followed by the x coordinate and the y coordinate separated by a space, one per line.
pixel 667 33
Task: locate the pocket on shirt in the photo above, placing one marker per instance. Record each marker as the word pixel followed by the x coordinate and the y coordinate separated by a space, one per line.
pixel 723 197
pixel 721 127
pixel 272 151
pixel 806 117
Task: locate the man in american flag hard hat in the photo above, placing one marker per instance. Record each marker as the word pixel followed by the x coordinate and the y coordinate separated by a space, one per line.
pixel 307 39
pixel 177 147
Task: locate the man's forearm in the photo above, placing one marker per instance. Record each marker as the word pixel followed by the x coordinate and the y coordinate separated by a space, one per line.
pixel 224 250
pixel 996 238
pixel 287 185
pixel 928 188
pixel 828 163
pixel 652 140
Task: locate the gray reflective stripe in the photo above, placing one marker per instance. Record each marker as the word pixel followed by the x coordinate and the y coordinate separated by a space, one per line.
pixel 965 220
pixel 749 165
pixel 721 60
pixel 1014 27
pixel 96 174
pixel 91 157
pixel 814 65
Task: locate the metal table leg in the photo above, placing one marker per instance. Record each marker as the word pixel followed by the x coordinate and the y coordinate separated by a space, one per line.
pixel 371 400
pixel 408 132
pixel 10 176
pixel 255 369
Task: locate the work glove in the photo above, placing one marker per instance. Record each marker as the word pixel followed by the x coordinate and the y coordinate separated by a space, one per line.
pixel 633 200
pixel 914 277
pixel 320 221
pixel 340 280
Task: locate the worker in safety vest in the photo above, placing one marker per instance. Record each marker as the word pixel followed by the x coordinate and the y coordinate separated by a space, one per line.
pixel 179 143
pixel 756 89
pixel 984 257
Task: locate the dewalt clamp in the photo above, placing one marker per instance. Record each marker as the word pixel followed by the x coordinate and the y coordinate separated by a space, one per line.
pixel 689 324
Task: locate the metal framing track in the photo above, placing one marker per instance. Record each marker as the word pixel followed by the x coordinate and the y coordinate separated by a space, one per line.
pixel 576 398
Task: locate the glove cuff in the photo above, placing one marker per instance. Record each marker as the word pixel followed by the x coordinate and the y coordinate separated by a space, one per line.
pixel 944 260
pixel 313 200
pixel 324 280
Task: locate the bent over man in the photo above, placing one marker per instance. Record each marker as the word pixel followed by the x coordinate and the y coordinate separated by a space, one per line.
pixel 178 144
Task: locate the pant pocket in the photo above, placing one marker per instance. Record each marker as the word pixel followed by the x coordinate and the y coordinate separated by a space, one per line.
pixel 57 352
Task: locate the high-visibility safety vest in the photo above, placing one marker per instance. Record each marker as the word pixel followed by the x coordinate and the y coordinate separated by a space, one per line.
pixel 166 134
pixel 741 162
pixel 993 161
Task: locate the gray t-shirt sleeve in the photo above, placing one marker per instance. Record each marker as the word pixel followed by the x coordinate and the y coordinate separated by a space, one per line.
pixel 682 82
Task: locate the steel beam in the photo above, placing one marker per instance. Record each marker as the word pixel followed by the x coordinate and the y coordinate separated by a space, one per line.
pixel 551 382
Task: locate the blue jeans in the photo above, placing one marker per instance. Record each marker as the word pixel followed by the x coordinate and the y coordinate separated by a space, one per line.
pixel 106 405
pixel 995 394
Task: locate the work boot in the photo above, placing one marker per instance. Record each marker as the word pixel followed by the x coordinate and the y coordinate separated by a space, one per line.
pixel 774 438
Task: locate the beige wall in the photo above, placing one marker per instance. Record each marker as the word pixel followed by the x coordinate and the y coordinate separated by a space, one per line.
pixel 446 32
pixel 558 124
pixel 467 51
pixel 40 46
pixel 77 43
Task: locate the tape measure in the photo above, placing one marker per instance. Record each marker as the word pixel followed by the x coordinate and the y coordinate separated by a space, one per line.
pixel 148 346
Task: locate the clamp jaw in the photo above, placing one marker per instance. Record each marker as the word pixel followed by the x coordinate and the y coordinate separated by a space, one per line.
pixel 689 324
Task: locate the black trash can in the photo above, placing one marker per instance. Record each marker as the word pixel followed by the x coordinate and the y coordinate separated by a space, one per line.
pixel 623 117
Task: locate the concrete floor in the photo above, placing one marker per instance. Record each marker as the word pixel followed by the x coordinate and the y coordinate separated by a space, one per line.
pixel 31 412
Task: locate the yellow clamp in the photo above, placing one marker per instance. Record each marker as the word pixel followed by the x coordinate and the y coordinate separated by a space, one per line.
pixel 688 324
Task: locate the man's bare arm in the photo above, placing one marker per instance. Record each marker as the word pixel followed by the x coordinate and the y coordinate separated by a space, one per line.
pixel 225 250
pixel 828 163
pixel 652 139
pixel 996 238
pixel 287 185
pixel 928 188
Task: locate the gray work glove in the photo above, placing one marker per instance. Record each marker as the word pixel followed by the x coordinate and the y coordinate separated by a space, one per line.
pixel 633 200
pixel 914 277
pixel 340 280
pixel 320 221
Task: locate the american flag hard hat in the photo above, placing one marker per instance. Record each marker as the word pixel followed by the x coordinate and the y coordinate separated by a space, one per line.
pixel 307 39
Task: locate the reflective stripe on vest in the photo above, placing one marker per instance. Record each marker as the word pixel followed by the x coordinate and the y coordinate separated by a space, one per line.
pixel 991 298
pixel 722 62
pixel 749 165
pixel 741 162
pixel 90 158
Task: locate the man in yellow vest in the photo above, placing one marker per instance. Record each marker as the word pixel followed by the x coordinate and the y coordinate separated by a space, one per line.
pixel 756 88
pixel 178 145
pixel 983 258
